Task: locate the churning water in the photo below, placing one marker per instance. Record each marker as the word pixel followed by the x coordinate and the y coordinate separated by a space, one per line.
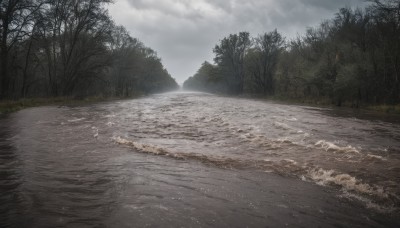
pixel 198 160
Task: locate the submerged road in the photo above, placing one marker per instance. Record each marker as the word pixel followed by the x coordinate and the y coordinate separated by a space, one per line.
pixel 198 160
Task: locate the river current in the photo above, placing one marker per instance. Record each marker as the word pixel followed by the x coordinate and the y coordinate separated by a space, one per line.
pixel 189 159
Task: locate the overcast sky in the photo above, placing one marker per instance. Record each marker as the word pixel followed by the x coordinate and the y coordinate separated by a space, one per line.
pixel 184 32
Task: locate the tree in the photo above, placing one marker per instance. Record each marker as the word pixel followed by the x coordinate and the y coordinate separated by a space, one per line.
pixel 16 18
pixel 72 48
pixel 386 20
pixel 229 55
pixel 263 60
pixel 351 59
pixel 206 79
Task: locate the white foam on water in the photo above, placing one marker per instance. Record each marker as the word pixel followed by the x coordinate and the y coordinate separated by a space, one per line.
pixel 142 147
pixel 110 124
pixel 282 166
pixel 374 197
pixel 375 157
pixel 368 203
pixel 262 140
pixel 76 120
pixel 384 149
pixel 283 140
pixel 282 126
pixel 293 162
pixel 134 207
pixel 95 132
pixel 293 140
pixel 291 119
pixel 161 207
pixel 329 146
pixel 249 135
pixel 346 181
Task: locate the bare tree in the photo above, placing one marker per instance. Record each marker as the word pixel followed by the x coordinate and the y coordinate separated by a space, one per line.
pixel 230 55
pixel 16 18
pixel 264 59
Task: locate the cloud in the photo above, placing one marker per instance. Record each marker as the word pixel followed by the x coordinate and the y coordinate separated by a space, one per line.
pixel 183 32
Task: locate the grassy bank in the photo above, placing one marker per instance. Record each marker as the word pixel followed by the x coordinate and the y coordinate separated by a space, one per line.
pixel 8 106
pixel 325 102
pixel 382 108
pixel 392 109
pixel 304 101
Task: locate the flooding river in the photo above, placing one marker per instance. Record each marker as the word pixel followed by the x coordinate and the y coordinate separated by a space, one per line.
pixel 198 160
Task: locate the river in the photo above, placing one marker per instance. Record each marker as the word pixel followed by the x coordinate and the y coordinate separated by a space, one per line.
pixel 189 159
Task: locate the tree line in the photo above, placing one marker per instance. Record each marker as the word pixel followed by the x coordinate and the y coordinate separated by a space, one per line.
pixel 51 48
pixel 352 58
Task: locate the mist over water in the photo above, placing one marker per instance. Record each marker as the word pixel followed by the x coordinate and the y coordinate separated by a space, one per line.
pixel 196 159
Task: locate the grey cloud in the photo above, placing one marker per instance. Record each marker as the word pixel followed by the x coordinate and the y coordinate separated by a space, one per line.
pixel 184 32
pixel 176 8
pixel 225 5
pixel 331 5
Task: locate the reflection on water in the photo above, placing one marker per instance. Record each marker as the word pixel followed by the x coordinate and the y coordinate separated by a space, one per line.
pixel 194 159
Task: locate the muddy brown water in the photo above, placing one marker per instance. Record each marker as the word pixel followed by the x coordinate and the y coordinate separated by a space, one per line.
pixel 198 160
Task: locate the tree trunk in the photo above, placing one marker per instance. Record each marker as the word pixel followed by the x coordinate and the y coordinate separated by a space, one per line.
pixel 4 60
pixel 25 74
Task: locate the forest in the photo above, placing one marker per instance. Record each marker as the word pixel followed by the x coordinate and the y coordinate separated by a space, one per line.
pixel 353 59
pixel 72 48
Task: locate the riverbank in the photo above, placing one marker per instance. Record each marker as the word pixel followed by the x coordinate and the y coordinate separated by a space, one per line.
pixel 9 106
pixel 379 108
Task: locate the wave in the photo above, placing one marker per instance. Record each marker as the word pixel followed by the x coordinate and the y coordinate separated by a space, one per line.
pixel 328 146
pixel 369 203
pixel 76 120
pixel 222 162
pixel 286 167
pixel 375 157
pixel 373 196
pixel 141 147
pixel 283 166
pixel 282 126
pixel 350 183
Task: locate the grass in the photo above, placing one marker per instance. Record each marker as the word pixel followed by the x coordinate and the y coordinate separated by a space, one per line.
pixel 392 109
pixel 320 102
pixel 325 102
pixel 305 100
pixel 9 106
